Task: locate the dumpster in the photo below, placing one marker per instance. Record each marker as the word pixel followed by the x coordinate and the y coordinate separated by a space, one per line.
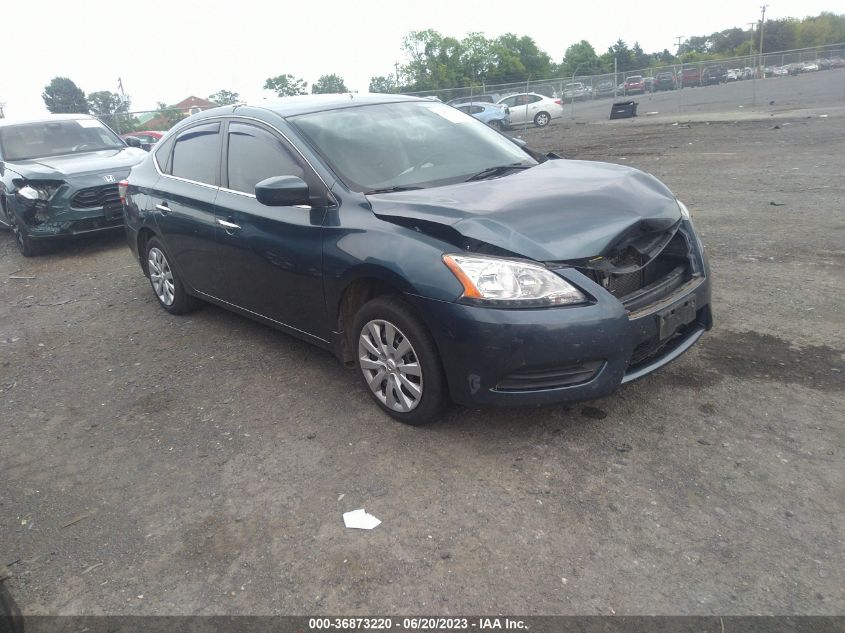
pixel 623 110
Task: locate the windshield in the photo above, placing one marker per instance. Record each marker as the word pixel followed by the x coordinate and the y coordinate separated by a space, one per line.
pixel 409 144
pixel 52 138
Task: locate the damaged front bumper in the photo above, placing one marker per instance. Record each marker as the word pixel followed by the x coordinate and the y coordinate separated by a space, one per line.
pixel 578 352
pixel 543 356
pixel 83 206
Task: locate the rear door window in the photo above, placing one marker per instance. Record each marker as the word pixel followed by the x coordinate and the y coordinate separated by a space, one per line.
pixel 196 155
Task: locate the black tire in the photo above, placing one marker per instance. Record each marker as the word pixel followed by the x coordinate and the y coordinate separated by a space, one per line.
pixel 496 125
pixel 26 245
pixel 434 391
pixel 542 119
pixel 181 302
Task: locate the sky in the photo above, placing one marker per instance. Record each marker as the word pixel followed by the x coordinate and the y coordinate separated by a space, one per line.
pixel 166 51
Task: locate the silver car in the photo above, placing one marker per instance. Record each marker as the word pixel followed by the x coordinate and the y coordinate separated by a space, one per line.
pixel 530 107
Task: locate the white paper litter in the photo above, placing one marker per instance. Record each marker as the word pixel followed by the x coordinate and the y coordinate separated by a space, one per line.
pixel 359 519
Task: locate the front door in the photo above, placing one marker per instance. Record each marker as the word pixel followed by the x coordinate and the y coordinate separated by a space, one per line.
pixel 271 257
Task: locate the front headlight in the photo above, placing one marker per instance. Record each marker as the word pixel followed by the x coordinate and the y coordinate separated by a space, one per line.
pixel 38 191
pixel 684 211
pixel 510 283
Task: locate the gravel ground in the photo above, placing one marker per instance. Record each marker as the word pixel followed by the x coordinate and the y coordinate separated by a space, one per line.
pixel 199 465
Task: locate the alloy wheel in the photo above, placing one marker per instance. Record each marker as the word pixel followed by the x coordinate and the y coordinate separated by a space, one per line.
pixel 161 277
pixel 390 365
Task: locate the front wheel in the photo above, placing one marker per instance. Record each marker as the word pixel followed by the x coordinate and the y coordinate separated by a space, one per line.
pixel 26 245
pixel 542 119
pixel 399 362
pixel 167 286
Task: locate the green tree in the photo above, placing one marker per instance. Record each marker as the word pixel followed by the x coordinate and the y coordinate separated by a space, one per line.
pixel 61 95
pixel 286 85
pixel 622 54
pixel 435 61
pixel 329 84
pixel 105 103
pixel 171 116
pixel 113 110
pixel 780 35
pixel 477 58
pixel 382 84
pixel 519 58
pixel 225 97
pixel 582 58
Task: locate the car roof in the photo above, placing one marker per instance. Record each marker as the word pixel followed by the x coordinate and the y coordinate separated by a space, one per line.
pixel 45 118
pixel 292 106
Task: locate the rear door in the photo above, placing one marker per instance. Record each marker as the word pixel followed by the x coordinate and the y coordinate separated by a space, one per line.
pixel 184 199
pixel 271 257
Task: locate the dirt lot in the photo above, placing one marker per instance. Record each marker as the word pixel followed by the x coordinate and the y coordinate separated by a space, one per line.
pixel 157 464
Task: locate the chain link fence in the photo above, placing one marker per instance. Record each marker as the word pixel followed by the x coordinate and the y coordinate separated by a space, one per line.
pixel 588 97
pixel 578 93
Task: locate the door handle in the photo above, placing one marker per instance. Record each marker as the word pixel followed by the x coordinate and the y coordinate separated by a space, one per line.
pixel 229 226
pixel 163 208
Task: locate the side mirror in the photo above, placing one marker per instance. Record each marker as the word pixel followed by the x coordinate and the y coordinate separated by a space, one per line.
pixel 132 141
pixel 283 191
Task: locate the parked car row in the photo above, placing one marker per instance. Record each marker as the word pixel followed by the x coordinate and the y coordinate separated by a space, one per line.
pixel 445 261
pixel 502 112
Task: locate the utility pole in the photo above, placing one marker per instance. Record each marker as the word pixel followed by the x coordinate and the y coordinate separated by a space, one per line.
pixel 678 49
pixel 2 108
pixel 615 78
pixel 754 69
pixel 396 68
pixel 750 26
pixel 762 28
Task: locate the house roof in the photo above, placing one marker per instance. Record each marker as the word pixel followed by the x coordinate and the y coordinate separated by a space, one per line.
pixel 194 102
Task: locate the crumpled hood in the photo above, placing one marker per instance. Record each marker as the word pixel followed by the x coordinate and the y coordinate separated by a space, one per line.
pixel 60 167
pixel 559 210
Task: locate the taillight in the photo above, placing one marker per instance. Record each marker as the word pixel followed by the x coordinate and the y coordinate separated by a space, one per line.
pixel 557 101
pixel 122 190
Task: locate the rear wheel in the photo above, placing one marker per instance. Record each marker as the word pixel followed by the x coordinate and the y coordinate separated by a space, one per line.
pixel 399 362
pixel 167 286
pixel 542 119
pixel 496 125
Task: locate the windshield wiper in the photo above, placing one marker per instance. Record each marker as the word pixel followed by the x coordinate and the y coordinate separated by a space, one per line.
pixel 391 189
pixel 497 170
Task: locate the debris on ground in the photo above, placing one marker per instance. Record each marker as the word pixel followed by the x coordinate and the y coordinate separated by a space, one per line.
pixel 360 520
pixel 593 413
pixel 778 204
pixel 22 277
pixel 77 519
pixel 91 568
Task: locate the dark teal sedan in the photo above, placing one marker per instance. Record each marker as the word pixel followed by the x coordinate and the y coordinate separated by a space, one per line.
pixel 58 178
pixel 438 256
